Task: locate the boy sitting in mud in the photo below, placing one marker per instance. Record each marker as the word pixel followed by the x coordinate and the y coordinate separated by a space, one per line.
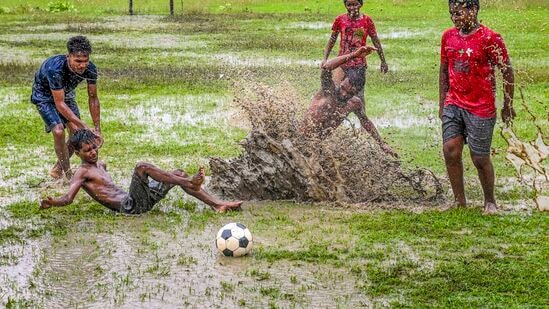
pixel 149 184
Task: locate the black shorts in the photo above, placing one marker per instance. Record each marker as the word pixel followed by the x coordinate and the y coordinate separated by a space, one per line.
pixel 143 194
pixel 476 131
pixel 52 117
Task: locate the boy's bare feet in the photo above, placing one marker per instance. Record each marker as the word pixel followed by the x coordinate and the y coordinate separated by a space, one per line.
pixel 490 208
pixel 198 179
pixel 56 172
pixel 451 205
pixel 227 206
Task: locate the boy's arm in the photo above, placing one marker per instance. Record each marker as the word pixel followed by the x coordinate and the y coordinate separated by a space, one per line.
pixel 508 112
pixel 498 54
pixel 75 184
pixel 59 99
pixel 93 101
pixel 327 83
pixel 329 46
pixel 334 63
pixel 384 68
pixel 444 86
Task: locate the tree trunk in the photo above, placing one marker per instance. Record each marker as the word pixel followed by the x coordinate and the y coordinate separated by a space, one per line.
pixel 171 7
pixel 131 7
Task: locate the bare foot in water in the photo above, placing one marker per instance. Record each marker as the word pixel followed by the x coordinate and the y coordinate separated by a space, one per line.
pixel 490 208
pixel 450 206
pixel 227 206
pixel 198 179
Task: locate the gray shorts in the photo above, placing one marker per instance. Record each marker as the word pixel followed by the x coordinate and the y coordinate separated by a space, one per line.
pixel 143 194
pixel 476 131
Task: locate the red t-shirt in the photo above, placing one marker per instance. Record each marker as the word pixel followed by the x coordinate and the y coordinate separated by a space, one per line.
pixel 353 36
pixel 471 60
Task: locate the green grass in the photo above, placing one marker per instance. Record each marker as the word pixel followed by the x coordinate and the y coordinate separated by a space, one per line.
pixel 184 66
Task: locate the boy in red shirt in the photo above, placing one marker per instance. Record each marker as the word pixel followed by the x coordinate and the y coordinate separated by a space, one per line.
pixel 469 53
pixel 355 29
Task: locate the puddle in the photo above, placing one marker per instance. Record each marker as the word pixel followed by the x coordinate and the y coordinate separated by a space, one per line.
pixel 8 97
pixel 164 113
pixel 397 122
pixel 310 26
pixel 17 264
pixel 123 40
pixel 167 112
pixel 172 269
pixel 403 34
pixel 128 23
pixel 234 60
pixel 10 55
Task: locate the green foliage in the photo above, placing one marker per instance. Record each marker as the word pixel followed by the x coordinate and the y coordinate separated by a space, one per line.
pixel 61 6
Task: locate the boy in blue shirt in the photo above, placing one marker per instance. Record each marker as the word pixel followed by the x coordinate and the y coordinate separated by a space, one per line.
pixel 53 94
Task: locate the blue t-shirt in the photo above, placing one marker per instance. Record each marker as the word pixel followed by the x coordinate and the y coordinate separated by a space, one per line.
pixel 54 74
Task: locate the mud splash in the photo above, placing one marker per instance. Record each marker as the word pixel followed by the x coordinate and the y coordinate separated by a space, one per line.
pixel 530 154
pixel 279 163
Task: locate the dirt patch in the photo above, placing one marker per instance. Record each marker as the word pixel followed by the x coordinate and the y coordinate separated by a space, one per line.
pixel 279 163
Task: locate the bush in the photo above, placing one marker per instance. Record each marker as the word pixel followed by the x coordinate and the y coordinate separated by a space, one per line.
pixel 61 6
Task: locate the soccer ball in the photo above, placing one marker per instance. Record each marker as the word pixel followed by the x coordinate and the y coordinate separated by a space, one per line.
pixel 234 239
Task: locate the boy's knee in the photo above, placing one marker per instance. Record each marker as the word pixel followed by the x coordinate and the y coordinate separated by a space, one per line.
pixel 481 162
pixel 142 167
pixel 452 152
pixel 180 172
pixel 58 130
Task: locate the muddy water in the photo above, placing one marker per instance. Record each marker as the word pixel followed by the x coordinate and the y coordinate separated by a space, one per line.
pixel 279 162
pixel 130 269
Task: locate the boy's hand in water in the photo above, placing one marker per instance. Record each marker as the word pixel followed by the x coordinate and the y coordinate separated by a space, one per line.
pixel 46 203
pixel 364 51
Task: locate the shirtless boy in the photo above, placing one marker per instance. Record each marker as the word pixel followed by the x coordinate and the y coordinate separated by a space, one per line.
pixel 149 184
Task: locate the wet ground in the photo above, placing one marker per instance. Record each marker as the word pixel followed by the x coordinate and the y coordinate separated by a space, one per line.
pixel 135 265
pixel 168 258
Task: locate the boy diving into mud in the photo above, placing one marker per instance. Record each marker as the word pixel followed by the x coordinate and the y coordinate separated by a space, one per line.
pixel 148 186
pixel 332 103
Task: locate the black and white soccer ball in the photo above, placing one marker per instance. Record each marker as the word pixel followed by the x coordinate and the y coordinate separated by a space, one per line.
pixel 234 239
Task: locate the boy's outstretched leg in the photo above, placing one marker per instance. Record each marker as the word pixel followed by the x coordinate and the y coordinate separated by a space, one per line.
pixel 201 194
pixel 368 125
pixel 148 170
pixel 191 185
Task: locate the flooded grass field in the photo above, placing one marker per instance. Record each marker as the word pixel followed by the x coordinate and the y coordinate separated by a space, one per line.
pixel 166 89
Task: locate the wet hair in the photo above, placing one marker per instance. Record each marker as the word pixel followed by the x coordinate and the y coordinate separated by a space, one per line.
pixel 80 137
pixel 356 79
pixel 466 3
pixel 79 44
pixel 359 1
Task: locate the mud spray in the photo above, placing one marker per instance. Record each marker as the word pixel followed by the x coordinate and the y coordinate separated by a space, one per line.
pixel 530 154
pixel 279 163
